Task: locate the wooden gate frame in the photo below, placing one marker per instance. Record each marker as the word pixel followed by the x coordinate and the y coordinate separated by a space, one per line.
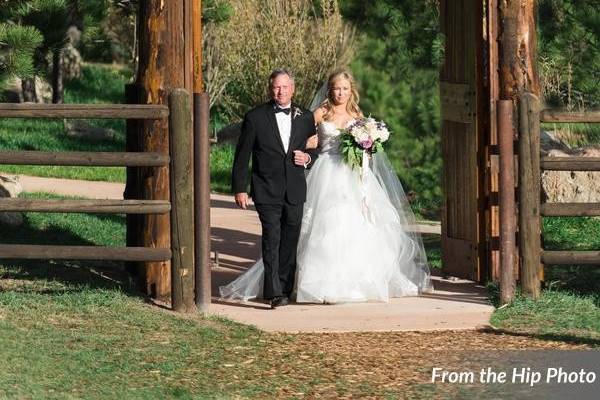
pixel 531 208
pixel 181 205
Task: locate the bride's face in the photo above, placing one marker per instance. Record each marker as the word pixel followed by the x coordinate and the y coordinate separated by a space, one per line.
pixel 341 90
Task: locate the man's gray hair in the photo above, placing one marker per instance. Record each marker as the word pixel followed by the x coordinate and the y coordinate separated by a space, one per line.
pixel 280 71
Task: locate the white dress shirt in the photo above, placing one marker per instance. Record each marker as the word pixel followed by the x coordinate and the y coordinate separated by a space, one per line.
pixel 284 123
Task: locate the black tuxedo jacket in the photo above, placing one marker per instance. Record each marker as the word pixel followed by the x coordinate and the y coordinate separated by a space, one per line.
pixel 274 177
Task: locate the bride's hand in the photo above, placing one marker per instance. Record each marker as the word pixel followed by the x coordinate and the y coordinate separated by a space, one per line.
pixel 312 142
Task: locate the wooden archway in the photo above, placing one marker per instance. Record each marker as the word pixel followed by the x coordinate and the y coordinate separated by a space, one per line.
pixel 489 56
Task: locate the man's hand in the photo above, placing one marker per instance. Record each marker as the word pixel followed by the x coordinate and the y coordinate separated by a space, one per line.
pixel 301 158
pixel 241 199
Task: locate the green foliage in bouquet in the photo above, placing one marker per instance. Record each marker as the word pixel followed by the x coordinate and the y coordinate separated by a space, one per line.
pixel 351 151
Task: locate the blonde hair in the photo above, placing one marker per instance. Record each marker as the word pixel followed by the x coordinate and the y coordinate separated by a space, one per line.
pixel 352 105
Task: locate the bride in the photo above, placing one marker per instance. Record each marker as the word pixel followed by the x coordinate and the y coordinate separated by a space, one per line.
pixel 355 241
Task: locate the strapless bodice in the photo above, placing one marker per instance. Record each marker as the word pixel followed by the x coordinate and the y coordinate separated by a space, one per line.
pixel 329 137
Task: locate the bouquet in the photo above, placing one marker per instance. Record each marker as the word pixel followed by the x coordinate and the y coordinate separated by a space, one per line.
pixel 363 138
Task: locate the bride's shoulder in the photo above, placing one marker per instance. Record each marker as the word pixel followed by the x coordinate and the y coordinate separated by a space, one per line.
pixel 319 114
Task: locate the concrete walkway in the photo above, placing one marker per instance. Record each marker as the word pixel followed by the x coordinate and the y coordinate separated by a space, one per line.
pixel 454 304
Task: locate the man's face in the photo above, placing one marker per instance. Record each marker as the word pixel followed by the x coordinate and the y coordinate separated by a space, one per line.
pixel 282 90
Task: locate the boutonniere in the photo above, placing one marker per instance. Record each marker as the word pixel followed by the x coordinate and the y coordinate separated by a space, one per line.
pixel 296 112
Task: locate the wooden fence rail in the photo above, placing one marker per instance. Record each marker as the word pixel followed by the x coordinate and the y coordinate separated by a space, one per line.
pixel 180 161
pixel 42 252
pixel 84 111
pixel 570 163
pixel 531 208
pixel 84 158
pixel 87 206
pixel 569 116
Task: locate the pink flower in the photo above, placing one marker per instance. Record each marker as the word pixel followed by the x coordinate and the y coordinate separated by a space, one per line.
pixel 366 144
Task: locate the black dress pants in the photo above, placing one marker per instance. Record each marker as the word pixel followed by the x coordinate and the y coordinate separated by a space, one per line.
pixel 280 233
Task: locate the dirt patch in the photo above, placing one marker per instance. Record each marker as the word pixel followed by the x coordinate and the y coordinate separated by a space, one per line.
pixel 396 364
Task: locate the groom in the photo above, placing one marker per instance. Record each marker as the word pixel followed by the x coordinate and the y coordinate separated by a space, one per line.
pixel 275 135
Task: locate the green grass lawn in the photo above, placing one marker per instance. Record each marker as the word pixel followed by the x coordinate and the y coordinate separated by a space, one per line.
pixel 569 307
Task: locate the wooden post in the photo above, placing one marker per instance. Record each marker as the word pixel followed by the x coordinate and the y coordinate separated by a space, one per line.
pixel 182 202
pixel 507 201
pixel 529 194
pixel 201 169
pixel 202 200
pixel 162 67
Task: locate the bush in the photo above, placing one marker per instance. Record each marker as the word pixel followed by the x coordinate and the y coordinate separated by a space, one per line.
pixel 262 35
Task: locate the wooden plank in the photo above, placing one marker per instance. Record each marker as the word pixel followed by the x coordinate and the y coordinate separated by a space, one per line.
pixel 571 257
pixel 86 206
pixel 570 163
pixel 570 209
pixel 492 90
pixel 569 116
pixel 129 111
pixel 43 252
pixel 529 194
pixel 84 158
pixel 182 200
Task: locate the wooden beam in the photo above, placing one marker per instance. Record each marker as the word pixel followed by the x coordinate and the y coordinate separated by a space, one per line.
pixel 129 111
pixel 182 199
pixel 570 163
pixel 84 158
pixel 570 209
pixel 86 206
pixel 569 116
pixel 202 201
pixel 571 257
pixel 38 252
pixel 529 194
pixel 508 214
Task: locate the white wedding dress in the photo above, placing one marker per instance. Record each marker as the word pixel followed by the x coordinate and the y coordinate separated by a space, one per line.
pixel 355 244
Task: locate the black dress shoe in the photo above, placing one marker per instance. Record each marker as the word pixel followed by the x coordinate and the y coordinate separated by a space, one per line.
pixel 279 301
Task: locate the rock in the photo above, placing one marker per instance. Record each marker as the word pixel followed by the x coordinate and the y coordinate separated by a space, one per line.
pixel 12 92
pixel 572 186
pixel 81 129
pixel 549 142
pixel 43 90
pixel 10 187
pixel 71 62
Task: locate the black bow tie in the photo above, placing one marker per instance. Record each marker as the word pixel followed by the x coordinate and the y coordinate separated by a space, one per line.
pixel 286 111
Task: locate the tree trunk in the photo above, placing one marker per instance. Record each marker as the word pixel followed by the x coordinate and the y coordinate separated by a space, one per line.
pixel 57 77
pixel 517 49
pixel 162 67
pixel 28 88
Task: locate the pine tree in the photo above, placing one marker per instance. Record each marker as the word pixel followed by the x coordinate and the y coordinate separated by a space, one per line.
pixel 17 44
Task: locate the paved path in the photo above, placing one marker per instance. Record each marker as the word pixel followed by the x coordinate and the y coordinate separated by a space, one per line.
pixel 455 304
